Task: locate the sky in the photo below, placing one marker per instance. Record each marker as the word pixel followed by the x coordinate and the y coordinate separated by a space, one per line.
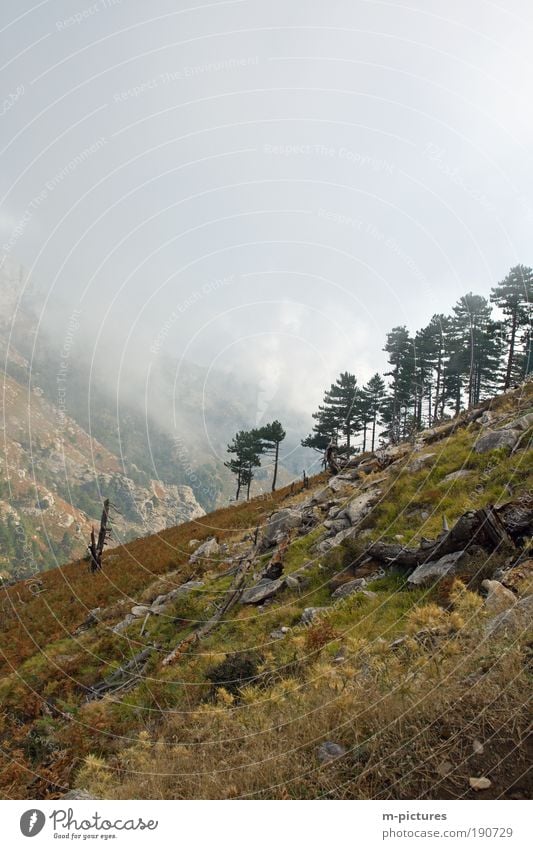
pixel 264 188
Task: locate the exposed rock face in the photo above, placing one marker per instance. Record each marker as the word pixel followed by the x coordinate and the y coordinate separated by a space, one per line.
pixel 427 573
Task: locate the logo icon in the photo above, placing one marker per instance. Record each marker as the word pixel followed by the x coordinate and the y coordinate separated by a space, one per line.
pixel 32 822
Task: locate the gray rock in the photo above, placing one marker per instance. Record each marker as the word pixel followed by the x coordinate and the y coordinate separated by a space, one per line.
pixel 349 588
pixel 497 439
pixel 209 548
pixel 323 496
pixel 337 525
pixel 499 598
pixel 338 484
pixel 518 618
pixel 310 614
pixel 279 524
pixel 522 424
pixel 418 463
pixel 292 583
pixel 193 543
pixel 433 571
pixel 329 751
pixel 458 475
pixel 360 507
pixel 278 634
pixel 123 624
pixel 79 795
pixel 262 591
pixel 140 610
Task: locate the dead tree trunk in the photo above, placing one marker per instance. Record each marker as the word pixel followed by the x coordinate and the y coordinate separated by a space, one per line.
pixel 96 546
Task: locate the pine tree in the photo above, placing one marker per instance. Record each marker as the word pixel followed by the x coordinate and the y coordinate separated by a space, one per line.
pixel 400 348
pixel 343 399
pixel 374 394
pixel 514 296
pixel 271 436
pixel 476 334
pixel 247 448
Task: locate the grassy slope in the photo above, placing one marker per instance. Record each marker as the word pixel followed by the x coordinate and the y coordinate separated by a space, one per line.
pixel 408 717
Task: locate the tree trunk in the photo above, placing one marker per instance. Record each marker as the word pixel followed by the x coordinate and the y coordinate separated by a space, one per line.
pixel 374 431
pixel 510 360
pixel 276 457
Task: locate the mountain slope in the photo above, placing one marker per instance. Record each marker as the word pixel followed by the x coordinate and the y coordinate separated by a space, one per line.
pixel 349 647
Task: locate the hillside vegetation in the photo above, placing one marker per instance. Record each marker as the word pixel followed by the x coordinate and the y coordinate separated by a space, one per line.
pixel 315 643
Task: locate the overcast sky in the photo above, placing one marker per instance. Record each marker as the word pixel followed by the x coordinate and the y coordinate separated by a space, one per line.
pixel 266 187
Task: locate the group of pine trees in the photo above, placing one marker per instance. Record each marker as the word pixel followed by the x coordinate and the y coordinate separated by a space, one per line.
pixel 248 446
pixel 456 360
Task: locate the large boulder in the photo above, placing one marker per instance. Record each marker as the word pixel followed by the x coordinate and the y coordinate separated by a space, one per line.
pixel 360 507
pixel 278 525
pixel 514 620
pixel 495 439
pixel 433 571
pixel 209 548
pixel 262 591
pixel 499 598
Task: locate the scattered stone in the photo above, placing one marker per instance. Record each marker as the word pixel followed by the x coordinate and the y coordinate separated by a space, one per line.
pixel 277 634
pixel 499 598
pixel 480 783
pixel 209 548
pixel 458 475
pixel 262 591
pixel 433 571
pixel 418 463
pixel 292 583
pixel 140 610
pixel 349 588
pixel 330 751
pixel 193 543
pixel 477 747
pixel 310 614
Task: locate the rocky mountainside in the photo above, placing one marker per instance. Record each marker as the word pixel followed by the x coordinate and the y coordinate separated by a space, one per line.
pixel 365 637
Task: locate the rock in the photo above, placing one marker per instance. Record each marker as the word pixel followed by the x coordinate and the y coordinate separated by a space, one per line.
pixel 477 747
pixel 184 589
pixel 278 525
pixel 360 507
pixel 292 583
pixel 209 548
pixel 495 439
pixel 349 588
pixel 515 619
pixel 337 525
pixel 274 571
pixel 499 598
pixel 418 463
pixel 330 751
pixel 427 573
pixel 193 543
pixel 339 485
pixel 79 795
pixel 140 610
pixel 522 424
pixel 480 783
pixel 323 496
pixel 277 634
pixel 458 475
pixel 310 614
pixel 262 591
pixel 123 624
pixel 444 769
